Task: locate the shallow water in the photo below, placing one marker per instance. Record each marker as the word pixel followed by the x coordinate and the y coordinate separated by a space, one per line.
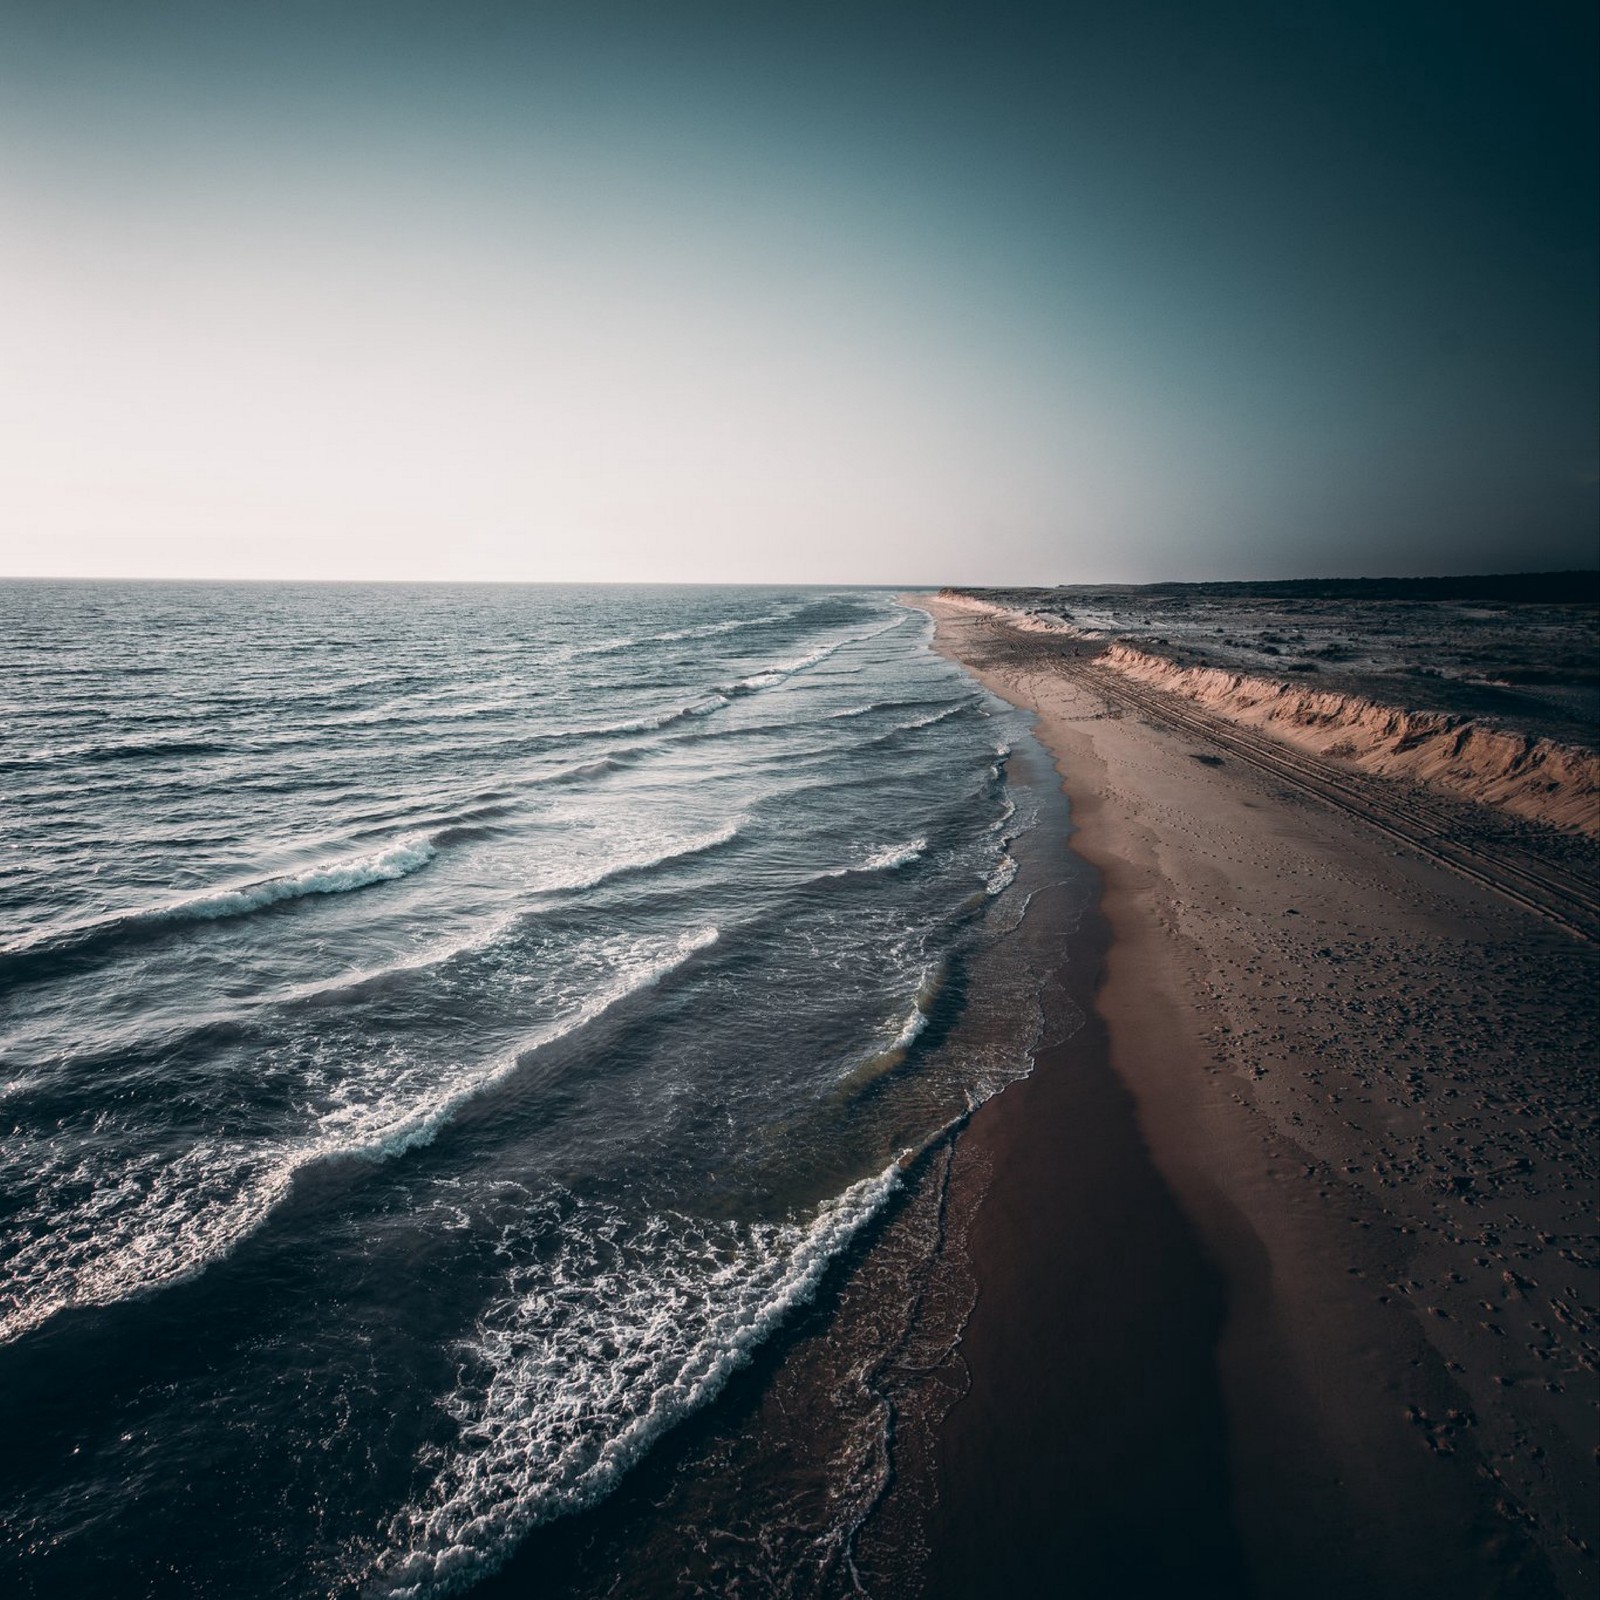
pixel 445 1031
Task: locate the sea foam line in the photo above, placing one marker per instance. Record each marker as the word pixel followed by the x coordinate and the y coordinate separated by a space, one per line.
pixel 705 630
pixel 771 676
pixel 578 1387
pixel 885 859
pixel 630 865
pixel 165 1227
pixel 330 877
pixel 336 877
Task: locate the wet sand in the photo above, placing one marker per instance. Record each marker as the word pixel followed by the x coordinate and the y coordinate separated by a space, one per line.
pixel 1090 1454
pixel 1287 1269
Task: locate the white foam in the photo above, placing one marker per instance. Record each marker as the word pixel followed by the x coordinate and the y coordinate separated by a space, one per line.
pixel 768 677
pixel 894 855
pixel 589 1358
pixel 653 855
pixel 1001 876
pixel 333 877
pixel 934 717
pixel 910 1029
pixel 329 877
pixel 99 1229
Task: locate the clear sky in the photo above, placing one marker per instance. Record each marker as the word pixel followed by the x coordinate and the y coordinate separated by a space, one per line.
pixel 899 293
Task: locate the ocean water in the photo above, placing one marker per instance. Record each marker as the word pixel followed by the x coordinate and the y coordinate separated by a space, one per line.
pixel 444 1032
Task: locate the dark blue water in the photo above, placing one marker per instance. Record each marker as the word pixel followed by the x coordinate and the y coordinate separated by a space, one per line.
pixel 444 1031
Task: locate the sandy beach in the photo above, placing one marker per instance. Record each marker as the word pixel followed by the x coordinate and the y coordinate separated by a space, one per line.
pixel 1287 1270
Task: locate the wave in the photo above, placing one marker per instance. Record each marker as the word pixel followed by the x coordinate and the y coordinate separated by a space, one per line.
pixel 96 1238
pixel 154 750
pixel 707 630
pixel 884 1061
pixel 463 833
pixel 52 757
pixel 935 717
pixel 632 865
pixel 564 1392
pixel 769 677
pixel 353 981
pixel 916 724
pixel 617 761
pixel 603 647
pixel 885 705
pixel 420 819
pixel 886 859
pixel 421 1122
pixel 335 877
pixel 910 1030
pixel 700 707
pixel 895 855
pixel 331 877
pixel 541 740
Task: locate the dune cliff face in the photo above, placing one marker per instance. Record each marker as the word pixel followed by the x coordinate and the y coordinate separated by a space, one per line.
pixel 1537 778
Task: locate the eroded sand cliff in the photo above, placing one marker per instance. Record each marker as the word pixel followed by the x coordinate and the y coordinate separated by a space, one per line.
pixel 1533 777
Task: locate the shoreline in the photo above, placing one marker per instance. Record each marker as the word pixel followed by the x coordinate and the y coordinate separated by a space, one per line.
pixel 1395 1414
pixel 1090 1283
pixel 813 1471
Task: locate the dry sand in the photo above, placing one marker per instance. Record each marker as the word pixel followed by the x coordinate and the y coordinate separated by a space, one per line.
pixel 1351 1233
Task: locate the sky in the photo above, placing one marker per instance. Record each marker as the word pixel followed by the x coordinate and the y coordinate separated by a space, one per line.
pixel 619 290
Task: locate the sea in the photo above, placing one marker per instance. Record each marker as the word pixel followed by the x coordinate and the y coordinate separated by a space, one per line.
pixel 449 1035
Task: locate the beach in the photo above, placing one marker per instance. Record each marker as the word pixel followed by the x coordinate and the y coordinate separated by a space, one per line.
pixel 1286 1270
pixel 770 1095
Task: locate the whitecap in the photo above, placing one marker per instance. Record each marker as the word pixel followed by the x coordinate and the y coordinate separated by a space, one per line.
pixel 646 860
pixel 339 876
pixel 894 855
pixel 334 877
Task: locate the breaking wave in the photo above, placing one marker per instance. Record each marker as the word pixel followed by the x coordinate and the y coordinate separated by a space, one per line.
pixel 330 877
pixel 92 1236
pixel 564 1392
pixel 895 855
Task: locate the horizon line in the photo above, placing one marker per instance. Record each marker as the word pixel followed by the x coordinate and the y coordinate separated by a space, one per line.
pixel 778 583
